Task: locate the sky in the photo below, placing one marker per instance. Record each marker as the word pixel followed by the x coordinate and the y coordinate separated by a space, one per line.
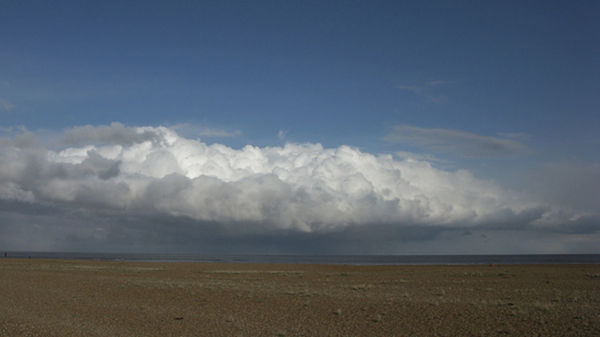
pixel 300 127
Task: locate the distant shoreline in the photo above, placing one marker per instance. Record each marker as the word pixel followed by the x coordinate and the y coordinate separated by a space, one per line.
pixel 319 259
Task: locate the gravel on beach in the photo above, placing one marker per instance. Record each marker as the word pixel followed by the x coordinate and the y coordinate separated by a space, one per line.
pixel 41 297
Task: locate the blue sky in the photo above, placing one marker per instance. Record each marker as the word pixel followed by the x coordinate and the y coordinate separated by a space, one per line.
pixel 504 89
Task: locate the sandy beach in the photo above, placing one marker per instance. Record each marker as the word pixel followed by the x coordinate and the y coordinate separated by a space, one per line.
pixel 91 298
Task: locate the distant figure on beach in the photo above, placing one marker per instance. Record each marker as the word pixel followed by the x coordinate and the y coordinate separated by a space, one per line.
pixel 5 254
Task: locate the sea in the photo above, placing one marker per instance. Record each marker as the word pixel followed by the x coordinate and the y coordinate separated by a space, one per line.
pixel 320 259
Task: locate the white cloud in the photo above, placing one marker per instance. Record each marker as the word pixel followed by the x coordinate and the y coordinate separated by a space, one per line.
pixel 455 141
pixel 151 188
pixel 300 187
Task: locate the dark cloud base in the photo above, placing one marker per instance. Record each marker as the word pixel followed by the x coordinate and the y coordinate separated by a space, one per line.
pixel 34 227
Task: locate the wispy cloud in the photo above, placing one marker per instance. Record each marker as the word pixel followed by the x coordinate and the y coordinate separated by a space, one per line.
pixel 428 90
pixel 419 156
pixel 13 129
pixel 520 136
pixel 281 134
pixel 115 133
pixel 5 105
pixel 217 133
pixel 456 141
pixel 205 132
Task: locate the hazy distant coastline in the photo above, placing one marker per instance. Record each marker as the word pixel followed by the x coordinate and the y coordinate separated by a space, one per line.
pixel 321 259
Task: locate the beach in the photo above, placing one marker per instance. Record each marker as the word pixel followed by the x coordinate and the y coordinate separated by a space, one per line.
pixel 42 297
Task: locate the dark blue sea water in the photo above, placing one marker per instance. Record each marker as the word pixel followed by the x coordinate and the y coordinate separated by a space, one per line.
pixel 323 259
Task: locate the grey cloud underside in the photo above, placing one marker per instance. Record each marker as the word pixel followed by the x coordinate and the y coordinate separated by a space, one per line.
pixel 65 231
pixel 50 228
pixel 121 184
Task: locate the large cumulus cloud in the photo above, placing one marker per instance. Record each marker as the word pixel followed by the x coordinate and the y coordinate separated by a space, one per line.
pixel 122 173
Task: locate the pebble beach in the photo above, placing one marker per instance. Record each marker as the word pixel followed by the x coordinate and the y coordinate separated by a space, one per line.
pixel 40 297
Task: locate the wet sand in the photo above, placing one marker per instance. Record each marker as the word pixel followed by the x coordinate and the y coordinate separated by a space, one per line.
pixel 90 298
